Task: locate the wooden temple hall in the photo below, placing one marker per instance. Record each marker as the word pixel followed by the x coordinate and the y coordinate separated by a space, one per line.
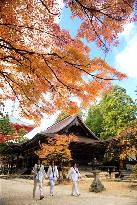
pixel 83 151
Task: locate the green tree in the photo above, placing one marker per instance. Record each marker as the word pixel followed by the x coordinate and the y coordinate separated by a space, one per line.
pixel 5 127
pixel 136 94
pixel 64 115
pixel 21 136
pixel 95 119
pixel 8 132
pixel 116 108
pixel 61 116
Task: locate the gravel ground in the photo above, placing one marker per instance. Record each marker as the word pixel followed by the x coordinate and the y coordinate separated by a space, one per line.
pixel 19 192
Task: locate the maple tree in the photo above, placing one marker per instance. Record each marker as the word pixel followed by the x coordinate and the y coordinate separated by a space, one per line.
pixel 43 66
pixel 57 150
pixel 125 143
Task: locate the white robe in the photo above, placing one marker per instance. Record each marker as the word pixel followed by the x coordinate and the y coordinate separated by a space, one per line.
pixel 53 173
pixel 73 174
pixel 38 175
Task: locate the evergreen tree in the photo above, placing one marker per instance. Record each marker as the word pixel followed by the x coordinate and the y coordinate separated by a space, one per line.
pixel 115 111
pixel 95 119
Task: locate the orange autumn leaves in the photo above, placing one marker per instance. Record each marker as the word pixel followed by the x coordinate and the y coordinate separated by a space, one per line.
pixel 128 142
pixel 102 20
pixel 43 66
pixel 57 149
pixel 125 144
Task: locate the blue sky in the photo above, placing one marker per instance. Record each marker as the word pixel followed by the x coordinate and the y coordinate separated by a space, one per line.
pixel 122 57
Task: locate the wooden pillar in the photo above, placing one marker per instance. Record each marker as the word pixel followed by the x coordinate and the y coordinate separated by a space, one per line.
pixel 121 164
pixel 17 160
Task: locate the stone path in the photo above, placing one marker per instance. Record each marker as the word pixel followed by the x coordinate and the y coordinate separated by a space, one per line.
pixel 19 192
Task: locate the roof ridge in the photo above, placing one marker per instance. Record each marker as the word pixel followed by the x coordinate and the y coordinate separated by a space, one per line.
pixel 61 121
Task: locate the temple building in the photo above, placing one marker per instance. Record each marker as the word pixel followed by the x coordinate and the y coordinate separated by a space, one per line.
pixel 83 151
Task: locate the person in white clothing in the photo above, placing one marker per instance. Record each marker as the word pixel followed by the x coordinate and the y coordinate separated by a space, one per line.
pixel 74 175
pixel 52 175
pixel 39 174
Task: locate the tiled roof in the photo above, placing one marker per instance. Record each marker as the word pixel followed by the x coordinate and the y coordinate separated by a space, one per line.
pixel 59 126
pixel 64 123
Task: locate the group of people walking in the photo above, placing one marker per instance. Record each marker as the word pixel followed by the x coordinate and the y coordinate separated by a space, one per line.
pixel 53 175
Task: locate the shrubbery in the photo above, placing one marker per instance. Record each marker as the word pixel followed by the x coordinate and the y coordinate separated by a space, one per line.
pixel 134 171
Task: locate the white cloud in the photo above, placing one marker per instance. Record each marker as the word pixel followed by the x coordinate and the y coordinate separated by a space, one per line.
pixel 126 59
pixel 129 30
pixel 47 121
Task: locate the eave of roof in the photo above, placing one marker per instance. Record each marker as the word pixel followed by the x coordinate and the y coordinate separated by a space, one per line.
pixel 60 125
pixel 55 128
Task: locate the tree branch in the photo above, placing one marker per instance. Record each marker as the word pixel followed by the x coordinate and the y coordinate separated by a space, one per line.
pixel 65 85
pixel 7 45
pixel 77 67
pixel 44 4
pixel 14 26
pixel 93 9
